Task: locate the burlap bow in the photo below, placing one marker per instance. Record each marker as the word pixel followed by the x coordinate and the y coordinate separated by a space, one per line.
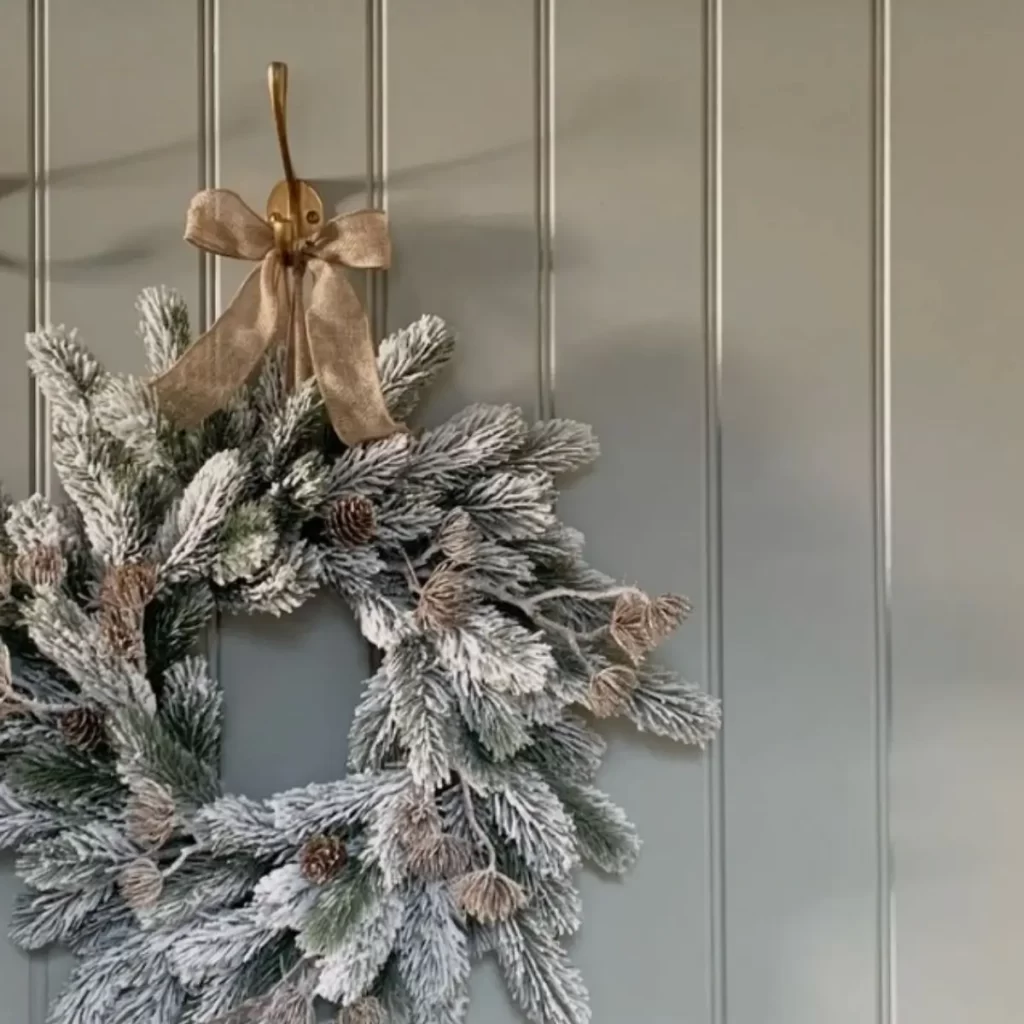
pixel 327 331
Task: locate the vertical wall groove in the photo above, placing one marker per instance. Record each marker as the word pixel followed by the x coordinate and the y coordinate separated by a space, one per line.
pixel 208 175
pixel 544 134
pixel 377 147
pixel 209 162
pixel 713 494
pixel 881 362
pixel 39 236
pixel 39 315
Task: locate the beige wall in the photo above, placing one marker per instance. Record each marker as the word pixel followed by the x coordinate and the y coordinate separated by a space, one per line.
pixel 781 273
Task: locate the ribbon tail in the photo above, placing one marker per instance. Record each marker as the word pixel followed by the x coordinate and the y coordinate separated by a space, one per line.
pixel 300 364
pixel 220 361
pixel 345 364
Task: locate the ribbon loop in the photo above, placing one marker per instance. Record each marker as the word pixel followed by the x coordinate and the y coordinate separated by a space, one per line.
pixel 357 240
pixel 330 332
pixel 221 222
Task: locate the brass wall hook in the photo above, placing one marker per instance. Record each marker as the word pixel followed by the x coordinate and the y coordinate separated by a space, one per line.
pixel 294 209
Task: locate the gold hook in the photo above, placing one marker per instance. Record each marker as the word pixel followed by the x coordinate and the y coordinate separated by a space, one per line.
pixel 294 209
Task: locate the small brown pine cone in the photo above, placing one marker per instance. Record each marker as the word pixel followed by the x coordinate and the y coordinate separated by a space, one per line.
pixel 445 599
pixel 352 520
pixel 488 896
pixel 610 690
pixel 40 567
pixel 458 538
pixel 84 728
pixel 121 629
pixel 141 884
pixel 151 814
pixel 368 1010
pixel 128 586
pixel 322 859
pixel 666 614
pixel 439 856
pixel 631 624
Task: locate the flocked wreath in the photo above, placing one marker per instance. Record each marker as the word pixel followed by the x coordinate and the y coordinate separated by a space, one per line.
pixel 470 801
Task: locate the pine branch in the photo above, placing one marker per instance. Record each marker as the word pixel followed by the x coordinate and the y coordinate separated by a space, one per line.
pixel 666 706
pixel 189 535
pixel 539 975
pixel 410 359
pixel 163 326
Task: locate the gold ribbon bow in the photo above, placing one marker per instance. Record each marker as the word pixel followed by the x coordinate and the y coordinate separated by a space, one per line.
pixel 327 331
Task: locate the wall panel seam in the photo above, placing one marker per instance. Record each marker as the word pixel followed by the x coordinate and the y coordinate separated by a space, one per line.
pixel 713 354
pixel 377 147
pixel 39 235
pixel 544 191
pixel 209 147
pixel 208 175
pixel 881 429
pixel 39 315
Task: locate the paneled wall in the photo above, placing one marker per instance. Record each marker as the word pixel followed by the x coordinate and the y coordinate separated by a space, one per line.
pixel 772 251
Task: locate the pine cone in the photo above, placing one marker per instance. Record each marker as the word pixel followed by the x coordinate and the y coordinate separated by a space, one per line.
pixel 444 599
pixel 322 859
pixel 141 884
pixel 610 690
pixel 458 537
pixel 631 624
pixel 128 586
pixel 353 520
pixel 40 567
pixel 151 814
pixel 488 895
pixel 83 728
pixel 368 1010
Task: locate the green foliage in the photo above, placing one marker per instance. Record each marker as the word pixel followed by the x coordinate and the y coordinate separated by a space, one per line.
pixel 72 779
pixel 191 710
pixel 340 905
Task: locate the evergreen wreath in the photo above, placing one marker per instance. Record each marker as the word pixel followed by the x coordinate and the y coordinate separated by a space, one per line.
pixel 470 801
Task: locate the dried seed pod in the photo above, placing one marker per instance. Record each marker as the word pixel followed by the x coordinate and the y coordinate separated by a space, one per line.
pixel 631 624
pixel 458 538
pixel 141 884
pixel 6 675
pixel 322 858
pixel 610 690
pixel 445 599
pixel 352 520
pixel 40 567
pixel 289 1005
pixel 418 819
pixel 128 586
pixel 488 895
pixel 439 856
pixel 666 614
pixel 151 814
pixel 368 1010
pixel 121 629
pixel 84 728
